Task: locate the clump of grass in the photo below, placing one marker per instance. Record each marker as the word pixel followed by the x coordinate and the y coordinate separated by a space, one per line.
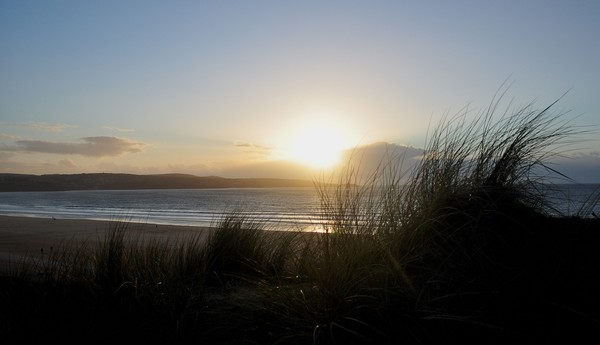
pixel 474 174
pixel 466 209
pixel 234 248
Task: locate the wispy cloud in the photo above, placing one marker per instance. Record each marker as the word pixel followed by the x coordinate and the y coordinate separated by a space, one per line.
pixel 117 129
pixel 5 155
pixel 259 150
pixel 588 155
pixel 90 147
pixel 67 163
pixel 7 137
pixel 46 127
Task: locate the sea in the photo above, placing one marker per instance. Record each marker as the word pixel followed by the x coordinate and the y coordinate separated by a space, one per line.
pixel 279 208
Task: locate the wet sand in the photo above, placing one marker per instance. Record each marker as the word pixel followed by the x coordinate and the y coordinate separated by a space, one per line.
pixel 27 236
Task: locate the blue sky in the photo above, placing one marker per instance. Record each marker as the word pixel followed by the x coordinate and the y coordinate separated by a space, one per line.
pixel 234 88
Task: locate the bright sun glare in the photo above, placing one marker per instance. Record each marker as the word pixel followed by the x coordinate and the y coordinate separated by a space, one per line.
pixel 317 145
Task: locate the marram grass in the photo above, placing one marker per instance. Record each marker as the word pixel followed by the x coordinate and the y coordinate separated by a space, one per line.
pixel 460 249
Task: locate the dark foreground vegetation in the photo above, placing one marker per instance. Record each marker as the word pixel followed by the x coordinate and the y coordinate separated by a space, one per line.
pixel 466 252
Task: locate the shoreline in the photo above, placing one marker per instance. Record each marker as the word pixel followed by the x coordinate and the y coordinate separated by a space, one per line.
pixel 23 237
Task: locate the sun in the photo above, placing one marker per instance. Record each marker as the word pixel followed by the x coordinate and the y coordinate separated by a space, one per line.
pixel 315 137
pixel 318 145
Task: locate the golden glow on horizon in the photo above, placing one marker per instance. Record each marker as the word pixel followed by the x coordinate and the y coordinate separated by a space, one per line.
pixel 317 148
pixel 317 143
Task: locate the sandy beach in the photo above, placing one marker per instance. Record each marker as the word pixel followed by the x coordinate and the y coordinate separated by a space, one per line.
pixel 28 236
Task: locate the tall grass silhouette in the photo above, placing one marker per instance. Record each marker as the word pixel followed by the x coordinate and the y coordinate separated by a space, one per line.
pixel 418 256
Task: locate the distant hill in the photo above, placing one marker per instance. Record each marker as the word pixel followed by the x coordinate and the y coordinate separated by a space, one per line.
pixel 101 181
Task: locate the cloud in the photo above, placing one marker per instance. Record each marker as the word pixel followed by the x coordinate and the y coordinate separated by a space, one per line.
pixel 67 163
pixel 5 155
pixel 4 137
pixel 587 155
pixel 90 147
pixel 117 129
pixel 46 127
pixel 249 148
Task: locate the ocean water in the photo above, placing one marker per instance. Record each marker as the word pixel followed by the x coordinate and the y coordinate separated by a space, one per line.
pixel 572 199
pixel 282 208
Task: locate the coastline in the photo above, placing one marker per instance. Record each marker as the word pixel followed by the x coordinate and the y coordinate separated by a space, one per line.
pixel 22 237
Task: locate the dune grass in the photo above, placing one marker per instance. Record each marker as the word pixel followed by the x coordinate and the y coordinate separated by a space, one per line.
pixel 459 248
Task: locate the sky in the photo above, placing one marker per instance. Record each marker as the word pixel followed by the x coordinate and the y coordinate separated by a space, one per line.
pixel 278 88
